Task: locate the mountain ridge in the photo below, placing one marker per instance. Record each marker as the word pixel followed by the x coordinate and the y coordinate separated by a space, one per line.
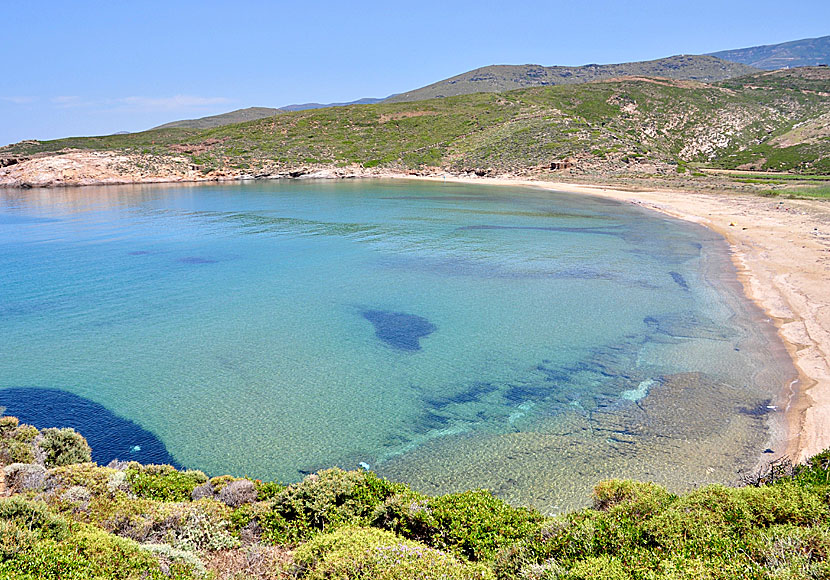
pixel 254 113
pixel 500 78
pixel 794 53
pixel 709 67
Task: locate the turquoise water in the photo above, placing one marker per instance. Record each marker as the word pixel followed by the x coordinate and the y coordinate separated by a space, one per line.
pixel 275 328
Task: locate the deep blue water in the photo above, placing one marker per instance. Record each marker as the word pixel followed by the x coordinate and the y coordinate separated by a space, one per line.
pixel 275 328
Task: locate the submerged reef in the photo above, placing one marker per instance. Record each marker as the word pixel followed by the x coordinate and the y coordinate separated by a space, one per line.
pixel 398 329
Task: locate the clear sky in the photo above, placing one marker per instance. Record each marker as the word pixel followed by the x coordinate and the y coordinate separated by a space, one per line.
pixel 85 67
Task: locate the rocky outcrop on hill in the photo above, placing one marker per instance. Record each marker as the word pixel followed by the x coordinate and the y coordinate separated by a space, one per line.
pixel 93 167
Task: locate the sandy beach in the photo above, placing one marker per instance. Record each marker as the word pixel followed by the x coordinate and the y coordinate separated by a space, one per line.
pixel 781 249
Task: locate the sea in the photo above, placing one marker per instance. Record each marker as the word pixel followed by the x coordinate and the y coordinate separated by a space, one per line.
pixel 451 336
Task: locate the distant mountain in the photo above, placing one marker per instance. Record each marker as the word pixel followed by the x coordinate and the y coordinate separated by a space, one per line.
pixel 500 78
pixel 306 106
pixel 238 116
pixel 254 113
pixel 805 52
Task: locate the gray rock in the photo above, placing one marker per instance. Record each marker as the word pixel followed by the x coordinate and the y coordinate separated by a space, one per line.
pixel 24 477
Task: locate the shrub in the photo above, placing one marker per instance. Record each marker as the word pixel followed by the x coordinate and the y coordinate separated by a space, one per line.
pixel 238 492
pixel 8 425
pixel 64 447
pixel 267 489
pixel 25 434
pixel 168 557
pixel 99 480
pixel 33 516
pixel 372 554
pixel 791 551
pixel 86 552
pixel 785 503
pixel 200 528
pixel 16 441
pixel 327 499
pixel 816 470
pixel 635 498
pixel 598 568
pixel 220 481
pixel 13 451
pixel 163 482
pixel 202 491
pixel 473 524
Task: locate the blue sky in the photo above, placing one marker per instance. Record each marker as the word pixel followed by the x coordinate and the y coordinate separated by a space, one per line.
pixel 87 67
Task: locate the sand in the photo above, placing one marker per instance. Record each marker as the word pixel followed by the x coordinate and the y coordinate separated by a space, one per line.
pixel 781 249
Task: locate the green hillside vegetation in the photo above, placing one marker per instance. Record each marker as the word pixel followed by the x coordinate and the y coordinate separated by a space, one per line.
pixel 237 116
pixel 253 113
pixel 67 518
pixel 501 78
pixel 765 121
pixel 805 52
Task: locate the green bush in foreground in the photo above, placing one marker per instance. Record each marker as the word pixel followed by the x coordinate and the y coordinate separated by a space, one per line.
pixel 324 501
pixel 37 544
pixel 472 524
pixel 163 482
pixel 64 447
pixel 372 554
pixel 87 521
pixel 16 441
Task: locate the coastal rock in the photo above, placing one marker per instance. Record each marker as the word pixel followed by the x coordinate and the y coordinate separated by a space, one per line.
pixel 95 167
pixel 22 477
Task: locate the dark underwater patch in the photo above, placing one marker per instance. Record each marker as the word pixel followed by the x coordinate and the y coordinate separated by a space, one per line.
pixel 138 253
pixel 471 394
pixel 196 260
pixel 110 436
pixel 399 329
pixel 679 280
pixel 759 410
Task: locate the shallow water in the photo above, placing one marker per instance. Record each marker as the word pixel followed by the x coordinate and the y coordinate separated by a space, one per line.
pixel 448 335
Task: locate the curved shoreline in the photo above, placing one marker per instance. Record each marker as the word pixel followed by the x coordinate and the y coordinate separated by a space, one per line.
pixel 783 267
pixel 780 249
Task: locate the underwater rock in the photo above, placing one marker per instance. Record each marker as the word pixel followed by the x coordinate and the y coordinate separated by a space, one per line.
pixel 196 260
pixel 398 329
pixel 680 280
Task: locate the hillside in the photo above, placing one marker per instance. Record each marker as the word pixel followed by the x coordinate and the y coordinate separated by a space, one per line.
pixel 500 78
pixel 630 126
pixel 253 113
pixel 237 116
pixel 805 52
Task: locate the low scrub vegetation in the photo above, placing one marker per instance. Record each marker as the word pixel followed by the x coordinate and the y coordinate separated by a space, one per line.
pixel 80 520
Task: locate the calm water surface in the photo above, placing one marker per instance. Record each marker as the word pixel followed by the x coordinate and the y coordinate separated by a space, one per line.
pixel 448 335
